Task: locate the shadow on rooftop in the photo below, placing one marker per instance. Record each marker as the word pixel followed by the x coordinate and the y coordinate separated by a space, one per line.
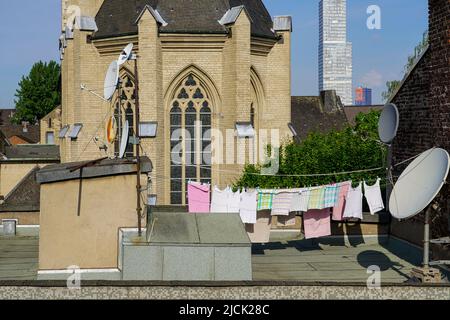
pixel 372 258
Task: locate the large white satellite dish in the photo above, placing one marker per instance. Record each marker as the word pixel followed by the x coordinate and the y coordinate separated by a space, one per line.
pixel 125 55
pixel 124 142
pixel 111 80
pixel 419 184
pixel 388 124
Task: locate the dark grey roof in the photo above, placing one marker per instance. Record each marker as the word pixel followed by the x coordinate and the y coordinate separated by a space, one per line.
pixel 91 169
pixel 32 152
pixel 351 112
pixel 31 134
pixel 5 116
pixel 118 17
pixel 309 114
pixel 25 196
pixel 3 143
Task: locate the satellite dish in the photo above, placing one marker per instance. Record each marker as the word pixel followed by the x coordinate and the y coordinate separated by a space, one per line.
pixel 388 124
pixel 419 184
pixel 111 130
pixel 124 142
pixel 125 55
pixel 111 80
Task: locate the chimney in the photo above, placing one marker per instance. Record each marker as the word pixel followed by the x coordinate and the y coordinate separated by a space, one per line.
pixel 25 125
pixel 331 102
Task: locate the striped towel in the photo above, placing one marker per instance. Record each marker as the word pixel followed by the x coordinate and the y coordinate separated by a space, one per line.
pixel 265 199
pixel 331 195
pixel 317 199
pixel 282 203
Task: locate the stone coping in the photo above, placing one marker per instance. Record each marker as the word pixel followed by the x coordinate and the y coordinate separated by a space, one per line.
pixel 210 284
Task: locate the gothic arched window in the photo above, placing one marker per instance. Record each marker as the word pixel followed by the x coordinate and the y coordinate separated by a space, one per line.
pixel 126 104
pixel 190 138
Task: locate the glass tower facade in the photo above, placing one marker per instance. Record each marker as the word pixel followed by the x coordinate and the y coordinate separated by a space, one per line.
pixel 335 53
pixel 363 96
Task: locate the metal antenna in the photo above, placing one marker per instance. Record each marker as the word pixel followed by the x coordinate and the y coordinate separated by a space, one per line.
pixel 84 88
pixel 138 152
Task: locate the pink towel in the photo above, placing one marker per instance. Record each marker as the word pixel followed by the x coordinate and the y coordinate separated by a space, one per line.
pixel 199 198
pixel 317 223
pixel 338 211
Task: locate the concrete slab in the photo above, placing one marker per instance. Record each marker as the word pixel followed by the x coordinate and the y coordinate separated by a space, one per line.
pixel 177 228
pixel 85 275
pixel 142 263
pixel 222 229
pixel 226 270
pixel 188 264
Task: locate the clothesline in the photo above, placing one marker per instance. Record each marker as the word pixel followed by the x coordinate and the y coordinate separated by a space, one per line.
pixel 294 175
pixel 310 175
pixel 166 178
pixel 341 200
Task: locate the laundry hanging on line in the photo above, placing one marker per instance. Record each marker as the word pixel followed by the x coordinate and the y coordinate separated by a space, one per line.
pixel 338 209
pixel 374 197
pixel 225 201
pixel 354 203
pixel 199 197
pixel 340 200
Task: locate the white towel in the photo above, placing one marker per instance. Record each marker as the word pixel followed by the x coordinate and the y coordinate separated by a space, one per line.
pixel 248 207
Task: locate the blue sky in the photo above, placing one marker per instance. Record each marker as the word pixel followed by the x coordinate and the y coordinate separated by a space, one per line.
pixel 31 30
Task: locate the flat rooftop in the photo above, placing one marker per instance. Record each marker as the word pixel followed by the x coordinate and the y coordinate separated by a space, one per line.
pixel 334 261
pixel 297 260
pixel 19 257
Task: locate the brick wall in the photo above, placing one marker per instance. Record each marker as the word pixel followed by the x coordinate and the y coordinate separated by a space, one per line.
pixel 424 106
pixel 439 29
pixel 414 134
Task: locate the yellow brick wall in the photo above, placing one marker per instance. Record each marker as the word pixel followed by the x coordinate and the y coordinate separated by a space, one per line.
pixel 11 174
pixel 223 63
pixel 54 118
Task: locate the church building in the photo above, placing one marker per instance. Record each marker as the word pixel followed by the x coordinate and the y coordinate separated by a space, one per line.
pixel 202 66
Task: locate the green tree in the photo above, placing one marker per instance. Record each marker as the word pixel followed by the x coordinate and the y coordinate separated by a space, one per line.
pixel 418 51
pixel 38 93
pixel 353 148
pixel 391 87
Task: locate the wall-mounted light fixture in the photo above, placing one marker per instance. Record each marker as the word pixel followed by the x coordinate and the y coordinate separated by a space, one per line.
pixel 245 130
pixel 148 129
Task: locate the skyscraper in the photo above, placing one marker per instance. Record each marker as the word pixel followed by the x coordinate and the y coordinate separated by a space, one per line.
pixel 335 53
pixel 363 96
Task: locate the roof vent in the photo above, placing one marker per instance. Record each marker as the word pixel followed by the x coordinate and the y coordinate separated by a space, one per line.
pixel 232 15
pixel 282 23
pixel 9 227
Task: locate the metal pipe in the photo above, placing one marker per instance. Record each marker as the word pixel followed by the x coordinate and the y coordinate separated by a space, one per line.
pixel 138 151
pixel 119 122
pixel 426 239
pixel 389 187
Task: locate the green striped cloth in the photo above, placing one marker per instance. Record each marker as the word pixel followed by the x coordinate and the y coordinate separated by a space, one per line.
pixel 265 199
